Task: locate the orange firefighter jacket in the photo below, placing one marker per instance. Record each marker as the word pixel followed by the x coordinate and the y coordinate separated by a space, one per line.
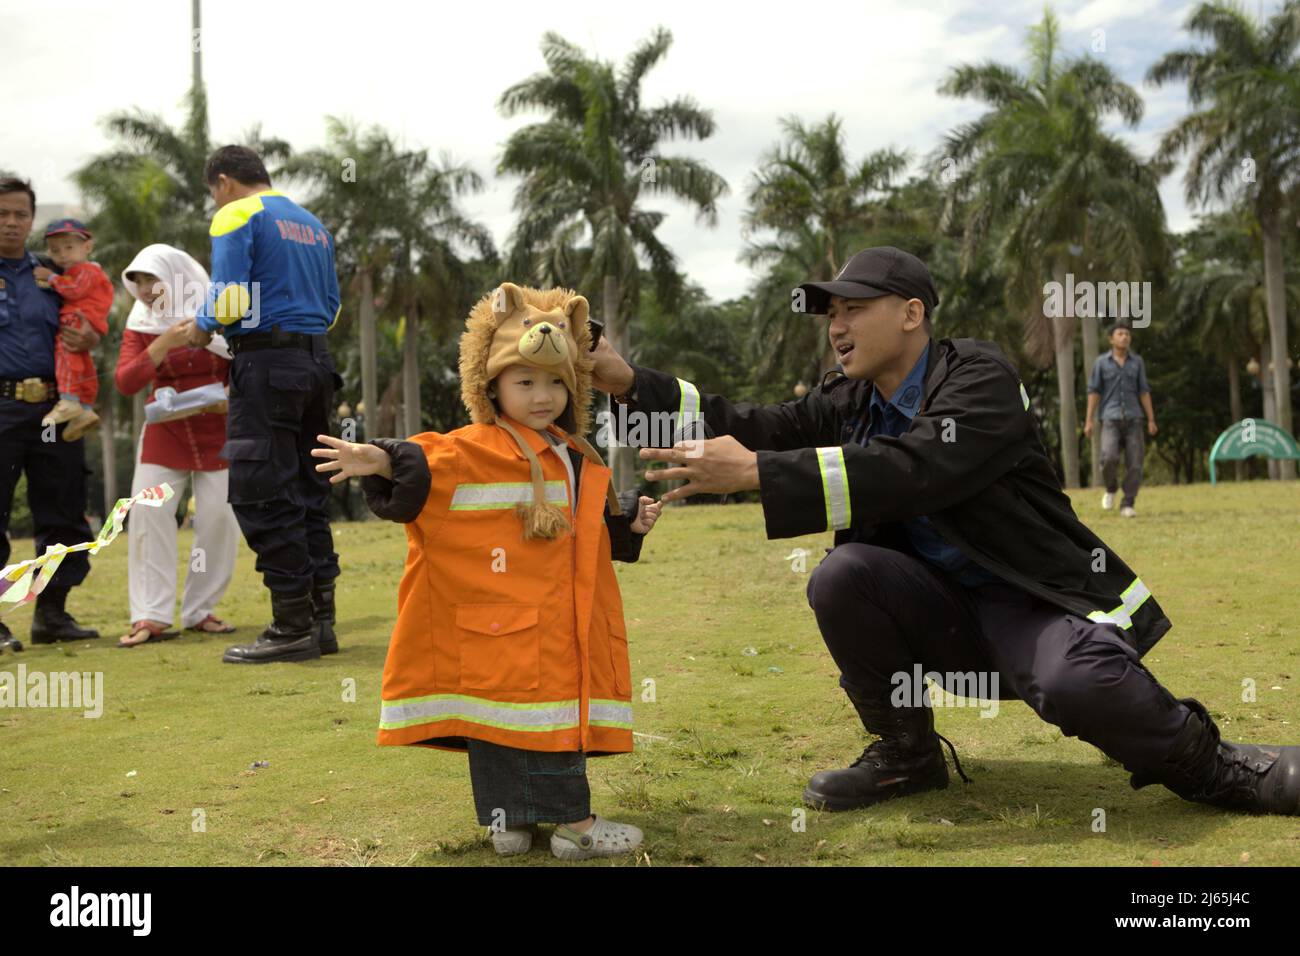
pixel 517 642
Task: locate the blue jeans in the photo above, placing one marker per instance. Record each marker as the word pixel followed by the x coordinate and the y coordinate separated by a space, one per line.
pixel 514 787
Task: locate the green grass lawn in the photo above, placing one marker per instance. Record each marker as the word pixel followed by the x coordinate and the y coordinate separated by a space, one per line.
pixel 745 709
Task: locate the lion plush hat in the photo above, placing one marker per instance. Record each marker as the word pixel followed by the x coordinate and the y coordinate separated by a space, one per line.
pixel 545 329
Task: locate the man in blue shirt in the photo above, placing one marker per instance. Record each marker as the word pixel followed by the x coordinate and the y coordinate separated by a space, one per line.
pixel 56 469
pixel 893 416
pixel 274 294
pixel 1118 387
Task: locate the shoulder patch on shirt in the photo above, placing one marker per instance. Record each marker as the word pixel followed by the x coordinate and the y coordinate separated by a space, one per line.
pixel 234 215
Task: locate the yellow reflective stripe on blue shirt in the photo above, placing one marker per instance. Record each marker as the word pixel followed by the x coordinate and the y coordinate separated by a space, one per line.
pixel 1133 597
pixel 235 214
pixel 610 713
pixel 542 717
pixel 835 487
pixel 504 494
pixel 337 313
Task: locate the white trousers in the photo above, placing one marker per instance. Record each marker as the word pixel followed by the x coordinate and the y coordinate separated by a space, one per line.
pixel 151 536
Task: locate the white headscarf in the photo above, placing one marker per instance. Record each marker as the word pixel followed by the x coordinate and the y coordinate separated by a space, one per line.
pixel 185 287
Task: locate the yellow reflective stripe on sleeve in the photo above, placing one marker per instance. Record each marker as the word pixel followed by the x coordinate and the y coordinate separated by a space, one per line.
pixel 337 313
pixel 688 410
pixel 231 304
pixel 504 494
pixel 1024 396
pixel 835 487
pixel 1133 597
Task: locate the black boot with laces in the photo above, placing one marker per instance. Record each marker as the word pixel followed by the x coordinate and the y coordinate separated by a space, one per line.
pixel 906 759
pixel 1249 778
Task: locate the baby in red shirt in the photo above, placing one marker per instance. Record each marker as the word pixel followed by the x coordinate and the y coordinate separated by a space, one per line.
pixel 87 293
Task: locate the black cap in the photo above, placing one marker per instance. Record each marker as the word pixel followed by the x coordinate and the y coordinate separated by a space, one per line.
pixel 880 270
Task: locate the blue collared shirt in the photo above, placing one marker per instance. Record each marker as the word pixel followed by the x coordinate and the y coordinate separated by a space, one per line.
pixel 894 418
pixel 29 321
pixel 1119 386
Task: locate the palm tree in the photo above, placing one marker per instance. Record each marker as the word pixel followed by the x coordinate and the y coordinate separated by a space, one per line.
pixel 586 171
pixel 1065 196
pixel 431 279
pixel 821 206
pixel 397 228
pixel 147 144
pixel 1244 139
pixel 1219 291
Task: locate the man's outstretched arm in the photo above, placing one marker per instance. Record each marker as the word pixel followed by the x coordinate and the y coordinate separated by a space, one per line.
pixel 796 424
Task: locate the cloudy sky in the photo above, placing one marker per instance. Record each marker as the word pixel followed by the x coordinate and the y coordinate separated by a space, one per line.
pixel 432 73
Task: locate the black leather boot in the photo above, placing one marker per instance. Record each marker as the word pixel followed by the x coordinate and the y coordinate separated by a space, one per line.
pixel 51 622
pixel 1249 778
pixel 322 617
pixel 289 637
pixel 906 759
pixel 8 641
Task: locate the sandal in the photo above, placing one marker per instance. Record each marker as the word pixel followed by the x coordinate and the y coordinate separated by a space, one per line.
pixel 221 626
pixel 153 630
pixel 605 838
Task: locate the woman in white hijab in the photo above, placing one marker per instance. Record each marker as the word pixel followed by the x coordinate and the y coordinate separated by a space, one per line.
pixel 187 427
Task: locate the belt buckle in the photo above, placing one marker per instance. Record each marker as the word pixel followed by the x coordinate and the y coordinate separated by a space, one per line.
pixel 31 390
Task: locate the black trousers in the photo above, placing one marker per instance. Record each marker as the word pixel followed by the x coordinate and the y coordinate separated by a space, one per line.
pixel 882 612
pixel 280 400
pixel 56 486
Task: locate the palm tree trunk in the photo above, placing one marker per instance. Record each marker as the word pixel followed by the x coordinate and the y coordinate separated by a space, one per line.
pixel 369 386
pixel 1063 337
pixel 1091 325
pixel 1275 289
pixel 411 371
pixel 1235 409
pixel 1266 390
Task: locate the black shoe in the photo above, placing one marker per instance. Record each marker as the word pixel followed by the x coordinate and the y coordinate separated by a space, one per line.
pixel 322 617
pixel 906 759
pixel 289 637
pixel 51 623
pixel 8 641
pixel 1249 778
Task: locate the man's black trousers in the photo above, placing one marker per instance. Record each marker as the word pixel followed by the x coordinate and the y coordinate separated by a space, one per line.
pixel 280 400
pixel 882 612
pixel 56 485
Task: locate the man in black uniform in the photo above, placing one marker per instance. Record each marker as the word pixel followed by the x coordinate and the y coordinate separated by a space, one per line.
pixel 274 295
pixel 56 469
pixel 955 550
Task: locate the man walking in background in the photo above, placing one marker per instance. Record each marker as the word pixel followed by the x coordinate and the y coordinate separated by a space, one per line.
pixel 274 295
pixel 1118 385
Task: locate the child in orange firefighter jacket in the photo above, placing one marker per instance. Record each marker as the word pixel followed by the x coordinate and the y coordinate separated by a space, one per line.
pixel 510 642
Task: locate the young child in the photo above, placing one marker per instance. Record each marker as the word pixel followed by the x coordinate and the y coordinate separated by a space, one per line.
pixel 510 642
pixel 87 293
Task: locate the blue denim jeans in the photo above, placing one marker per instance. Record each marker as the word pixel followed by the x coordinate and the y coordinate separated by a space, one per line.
pixel 528 786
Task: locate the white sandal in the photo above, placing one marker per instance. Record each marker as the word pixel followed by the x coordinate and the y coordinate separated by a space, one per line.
pixel 513 841
pixel 605 838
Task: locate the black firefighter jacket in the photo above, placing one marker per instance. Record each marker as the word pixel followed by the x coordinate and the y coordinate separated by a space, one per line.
pixel 972 461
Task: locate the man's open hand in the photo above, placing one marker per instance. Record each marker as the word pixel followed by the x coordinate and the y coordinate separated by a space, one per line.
pixel 711 466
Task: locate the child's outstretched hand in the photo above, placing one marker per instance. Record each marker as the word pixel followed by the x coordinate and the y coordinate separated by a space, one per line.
pixel 351 460
pixel 647 514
